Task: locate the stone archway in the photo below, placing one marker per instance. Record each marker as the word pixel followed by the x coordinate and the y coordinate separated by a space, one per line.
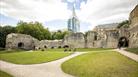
pixel 20 45
pixel 52 47
pixel 123 42
pixel 59 46
pixel 45 46
pixel 65 46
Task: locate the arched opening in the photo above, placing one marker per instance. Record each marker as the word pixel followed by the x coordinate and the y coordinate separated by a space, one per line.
pixel 34 47
pixel 45 46
pixel 95 37
pixel 65 46
pixel 20 45
pixel 52 47
pixel 59 47
pixel 39 48
pixel 123 42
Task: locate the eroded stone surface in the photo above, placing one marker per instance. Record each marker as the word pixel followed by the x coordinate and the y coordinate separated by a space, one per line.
pixel 22 41
pixel 75 40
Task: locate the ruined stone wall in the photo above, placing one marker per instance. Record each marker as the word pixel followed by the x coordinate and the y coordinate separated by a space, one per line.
pixel 50 44
pixel 101 38
pixel 91 37
pixel 133 39
pixel 134 17
pixel 22 41
pixel 75 40
pixel 124 32
pixel 101 41
pixel 112 39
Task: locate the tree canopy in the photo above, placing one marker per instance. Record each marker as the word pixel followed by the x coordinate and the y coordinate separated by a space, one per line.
pixel 35 29
pixel 124 24
pixel 4 31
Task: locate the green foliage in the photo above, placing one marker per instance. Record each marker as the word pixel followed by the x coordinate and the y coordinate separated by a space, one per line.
pixel 101 64
pixel 59 35
pixel 35 29
pixel 4 31
pixel 47 34
pixel 33 57
pixel 10 51
pixel 124 24
pixel 92 49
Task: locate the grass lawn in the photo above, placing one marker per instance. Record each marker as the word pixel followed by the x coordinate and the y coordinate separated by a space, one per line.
pixel 18 50
pixel 32 57
pixel 11 51
pixel 56 49
pixel 3 74
pixel 133 50
pixel 92 49
pixel 101 64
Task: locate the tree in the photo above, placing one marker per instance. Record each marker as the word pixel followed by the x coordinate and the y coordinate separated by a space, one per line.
pixel 4 31
pixel 124 24
pixel 34 29
pixel 59 35
pixel 47 34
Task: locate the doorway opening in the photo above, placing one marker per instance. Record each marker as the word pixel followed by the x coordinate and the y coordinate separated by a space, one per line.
pixel 20 45
pixel 123 42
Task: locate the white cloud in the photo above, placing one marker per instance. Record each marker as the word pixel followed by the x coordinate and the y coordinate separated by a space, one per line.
pixel 35 10
pixel 71 0
pixel 106 11
pixel 94 12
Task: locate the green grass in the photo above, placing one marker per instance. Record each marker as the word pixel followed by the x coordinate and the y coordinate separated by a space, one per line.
pixel 133 50
pixel 92 49
pixel 101 64
pixel 10 51
pixel 32 57
pixel 3 74
pixel 19 50
pixel 56 49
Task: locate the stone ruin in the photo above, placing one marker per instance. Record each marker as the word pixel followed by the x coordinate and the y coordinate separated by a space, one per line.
pixel 133 38
pixel 103 36
pixel 27 42
pixel 49 44
pixel 74 40
pixel 91 38
pixel 22 41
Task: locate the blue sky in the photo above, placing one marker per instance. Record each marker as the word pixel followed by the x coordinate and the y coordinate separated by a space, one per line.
pixel 77 3
pixel 55 13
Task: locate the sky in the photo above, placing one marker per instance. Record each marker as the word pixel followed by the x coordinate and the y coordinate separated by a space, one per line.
pixel 53 14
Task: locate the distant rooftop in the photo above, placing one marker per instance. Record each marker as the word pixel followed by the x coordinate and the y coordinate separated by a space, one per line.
pixel 112 25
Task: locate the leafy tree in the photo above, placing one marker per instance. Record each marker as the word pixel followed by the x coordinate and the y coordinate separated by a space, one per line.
pixel 47 34
pixel 4 31
pixel 34 29
pixel 59 35
pixel 65 33
pixel 124 24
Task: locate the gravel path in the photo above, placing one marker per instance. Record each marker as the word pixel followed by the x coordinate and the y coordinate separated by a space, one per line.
pixel 128 54
pixel 50 69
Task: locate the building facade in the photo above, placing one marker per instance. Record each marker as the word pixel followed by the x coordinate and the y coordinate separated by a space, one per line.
pixel 73 22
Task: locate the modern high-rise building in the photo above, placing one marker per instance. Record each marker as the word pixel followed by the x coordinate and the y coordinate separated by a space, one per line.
pixel 73 22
